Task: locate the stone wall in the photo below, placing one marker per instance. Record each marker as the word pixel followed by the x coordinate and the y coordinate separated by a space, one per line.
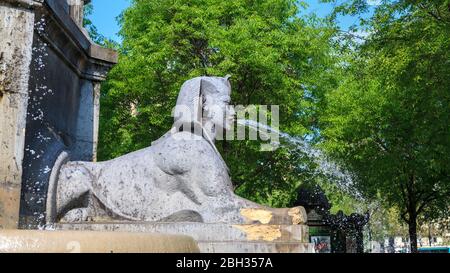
pixel 16 32
pixel 50 75
pixel 76 9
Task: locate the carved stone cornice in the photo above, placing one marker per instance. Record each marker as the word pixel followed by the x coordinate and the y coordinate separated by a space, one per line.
pixel 71 43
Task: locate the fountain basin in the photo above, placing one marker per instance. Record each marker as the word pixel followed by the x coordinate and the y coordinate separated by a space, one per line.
pixel 27 241
pixel 215 237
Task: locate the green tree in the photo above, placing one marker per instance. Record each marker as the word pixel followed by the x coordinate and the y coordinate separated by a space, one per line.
pixel 89 26
pixel 95 36
pixel 389 117
pixel 274 57
pixel 384 221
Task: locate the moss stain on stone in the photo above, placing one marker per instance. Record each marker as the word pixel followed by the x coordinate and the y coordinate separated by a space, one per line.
pixel 260 232
pixel 260 215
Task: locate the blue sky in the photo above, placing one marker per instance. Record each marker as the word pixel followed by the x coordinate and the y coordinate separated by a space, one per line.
pixel 106 11
pixel 104 16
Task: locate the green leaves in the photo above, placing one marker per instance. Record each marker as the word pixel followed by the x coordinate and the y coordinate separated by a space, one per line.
pixel 272 55
pixel 388 119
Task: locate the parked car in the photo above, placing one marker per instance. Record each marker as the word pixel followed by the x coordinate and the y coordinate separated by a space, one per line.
pixel 434 249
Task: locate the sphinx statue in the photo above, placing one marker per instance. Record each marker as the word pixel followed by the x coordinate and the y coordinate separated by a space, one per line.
pixel 180 177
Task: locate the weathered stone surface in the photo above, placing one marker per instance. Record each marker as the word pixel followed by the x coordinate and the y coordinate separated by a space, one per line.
pixel 201 231
pixel 216 238
pixel 64 83
pixel 16 32
pixel 180 174
pixel 76 10
pixel 287 216
pixel 255 247
pixel 20 3
pixel 9 205
pixel 86 134
pixel 93 242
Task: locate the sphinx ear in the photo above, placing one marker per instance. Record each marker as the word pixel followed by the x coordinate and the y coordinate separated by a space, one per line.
pixel 227 80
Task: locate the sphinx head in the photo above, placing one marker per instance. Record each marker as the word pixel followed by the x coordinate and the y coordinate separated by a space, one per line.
pixel 205 101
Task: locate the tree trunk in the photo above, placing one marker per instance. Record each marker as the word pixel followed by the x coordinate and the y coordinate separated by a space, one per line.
pixel 412 226
pixel 429 234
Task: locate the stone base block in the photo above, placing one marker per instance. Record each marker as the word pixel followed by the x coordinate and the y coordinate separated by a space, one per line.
pixel 9 206
pixel 218 237
pixel 255 247
pixel 27 241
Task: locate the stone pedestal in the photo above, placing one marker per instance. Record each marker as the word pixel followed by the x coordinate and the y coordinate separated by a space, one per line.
pixel 50 75
pixel 16 32
pixel 76 10
pixel 14 241
pixel 216 238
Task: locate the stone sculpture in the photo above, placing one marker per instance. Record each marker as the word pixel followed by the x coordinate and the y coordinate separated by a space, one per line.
pixel 180 177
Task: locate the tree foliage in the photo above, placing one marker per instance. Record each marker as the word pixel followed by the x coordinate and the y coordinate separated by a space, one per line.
pixel 95 36
pixel 378 104
pixel 389 118
pixel 274 57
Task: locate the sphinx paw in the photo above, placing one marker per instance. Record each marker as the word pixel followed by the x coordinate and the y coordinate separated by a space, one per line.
pixel 77 215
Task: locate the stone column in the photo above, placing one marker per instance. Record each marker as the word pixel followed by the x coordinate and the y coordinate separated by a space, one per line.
pixel 88 122
pixel 76 8
pixel 16 32
pixel 96 118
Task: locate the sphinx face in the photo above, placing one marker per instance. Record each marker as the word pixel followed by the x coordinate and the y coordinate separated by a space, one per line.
pixel 222 114
pixel 218 109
